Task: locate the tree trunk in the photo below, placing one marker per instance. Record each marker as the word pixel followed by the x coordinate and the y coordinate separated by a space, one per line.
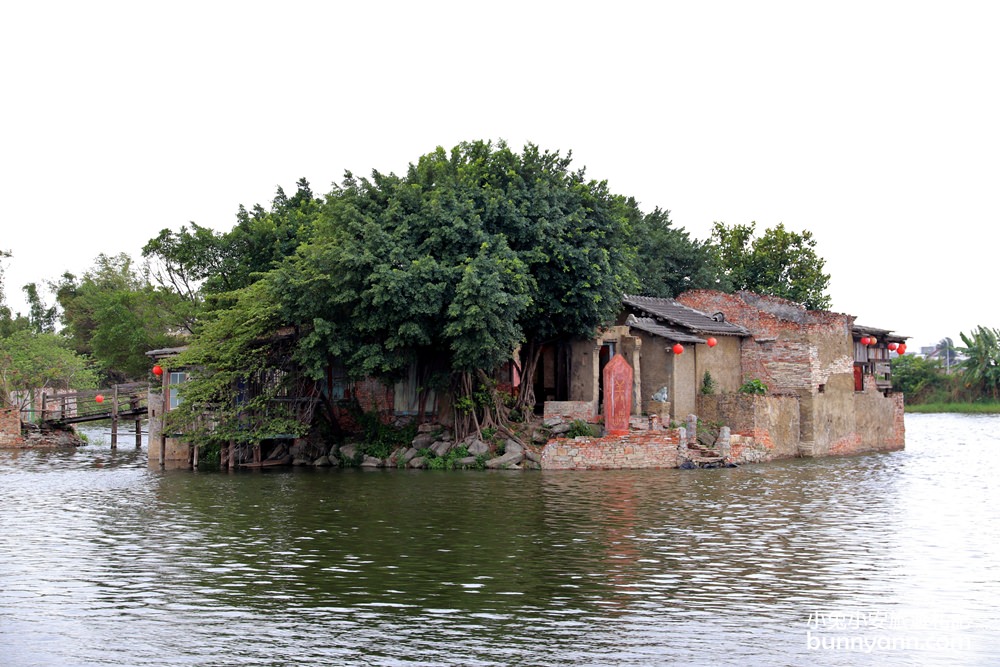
pixel 530 354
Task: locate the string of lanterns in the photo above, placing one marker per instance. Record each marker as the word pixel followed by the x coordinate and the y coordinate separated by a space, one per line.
pixel 679 349
pixel 898 348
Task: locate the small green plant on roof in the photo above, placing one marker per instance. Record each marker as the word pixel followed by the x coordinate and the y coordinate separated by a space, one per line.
pixel 708 384
pixel 753 386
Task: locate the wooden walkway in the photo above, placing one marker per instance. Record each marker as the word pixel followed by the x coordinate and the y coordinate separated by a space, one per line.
pixel 122 401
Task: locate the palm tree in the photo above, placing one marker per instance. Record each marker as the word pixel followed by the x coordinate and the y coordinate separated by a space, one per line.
pixel 946 352
pixel 981 367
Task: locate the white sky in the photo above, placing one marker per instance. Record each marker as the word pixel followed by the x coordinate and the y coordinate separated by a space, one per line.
pixel 872 124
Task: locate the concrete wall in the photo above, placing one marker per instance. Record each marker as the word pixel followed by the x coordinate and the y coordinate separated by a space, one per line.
pixel 585 365
pixel 177 454
pixel 723 362
pixel 763 428
pixel 657 370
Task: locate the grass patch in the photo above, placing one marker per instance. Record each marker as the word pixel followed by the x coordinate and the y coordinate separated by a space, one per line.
pixel 961 408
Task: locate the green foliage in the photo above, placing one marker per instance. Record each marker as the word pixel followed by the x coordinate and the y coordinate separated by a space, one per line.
pixel 708 385
pixel 455 265
pixel 920 379
pixel 753 386
pixel 449 461
pixel 41 318
pixel 779 263
pixel 667 261
pixel 981 366
pixel 115 316
pixel 580 428
pixel 197 262
pixel 31 362
pixel 381 439
pixel 241 381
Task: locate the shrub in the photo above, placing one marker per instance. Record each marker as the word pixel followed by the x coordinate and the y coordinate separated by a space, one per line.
pixel 581 428
pixel 753 386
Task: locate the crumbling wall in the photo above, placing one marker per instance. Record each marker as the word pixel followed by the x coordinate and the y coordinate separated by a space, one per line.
pixel 10 428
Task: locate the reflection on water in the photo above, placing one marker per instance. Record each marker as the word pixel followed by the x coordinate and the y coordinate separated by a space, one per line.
pixel 107 562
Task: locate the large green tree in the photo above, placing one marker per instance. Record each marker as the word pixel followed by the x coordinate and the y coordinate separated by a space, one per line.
pixel 779 262
pixel 114 315
pixel 197 261
pixel 668 261
pixel 471 256
pixel 474 254
pixel 31 362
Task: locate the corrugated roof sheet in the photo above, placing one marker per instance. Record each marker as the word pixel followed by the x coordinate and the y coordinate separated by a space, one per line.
pixel 884 334
pixel 673 313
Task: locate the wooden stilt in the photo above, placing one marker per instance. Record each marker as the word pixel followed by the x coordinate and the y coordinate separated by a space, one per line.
pixel 134 407
pixel 114 418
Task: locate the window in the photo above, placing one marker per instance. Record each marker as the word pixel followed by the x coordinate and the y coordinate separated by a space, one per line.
pixel 176 379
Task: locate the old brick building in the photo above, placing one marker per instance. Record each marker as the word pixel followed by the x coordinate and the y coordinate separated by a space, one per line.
pixel 827 393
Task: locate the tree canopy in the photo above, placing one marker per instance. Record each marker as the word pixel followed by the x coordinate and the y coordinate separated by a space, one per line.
pixel 114 315
pixel 668 261
pixel 779 262
pixel 469 257
pixel 31 362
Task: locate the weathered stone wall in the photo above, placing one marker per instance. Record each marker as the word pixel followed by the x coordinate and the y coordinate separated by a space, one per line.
pixel 657 369
pixel 10 428
pixel 763 428
pixel 570 410
pixel 637 449
pixel 875 425
pixel 177 454
pixel 686 386
pixel 584 379
pixel 793 349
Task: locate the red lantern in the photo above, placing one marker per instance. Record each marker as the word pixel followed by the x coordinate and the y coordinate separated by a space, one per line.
pixel 872 340
pixel 865 340
pixel 711 342
pixel 893 346
pixel 901 349
pixel 99 398
pixel 157 370
pixel 678 348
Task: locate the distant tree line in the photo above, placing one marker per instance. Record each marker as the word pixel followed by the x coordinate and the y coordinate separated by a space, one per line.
pixel 969 373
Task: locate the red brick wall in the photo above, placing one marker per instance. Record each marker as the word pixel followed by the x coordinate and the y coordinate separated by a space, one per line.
pixel 793 348
pixel 638 449
pixel 10 428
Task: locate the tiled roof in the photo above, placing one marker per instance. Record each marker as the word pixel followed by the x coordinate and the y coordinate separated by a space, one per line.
pixel 649 325
pixel 670 312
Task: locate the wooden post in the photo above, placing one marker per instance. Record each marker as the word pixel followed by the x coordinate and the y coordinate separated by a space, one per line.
pixel 133 405
pixel 194 461
pixel 165 397
pixel 232 454
pixel 44 396
pixel 114 417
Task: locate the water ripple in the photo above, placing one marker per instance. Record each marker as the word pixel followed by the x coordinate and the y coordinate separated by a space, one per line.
pixel 105 562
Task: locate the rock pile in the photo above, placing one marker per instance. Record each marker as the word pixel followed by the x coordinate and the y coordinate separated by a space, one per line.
pixel 433 447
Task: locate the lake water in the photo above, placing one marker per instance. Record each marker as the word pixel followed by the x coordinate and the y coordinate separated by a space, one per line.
pixel 890 559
